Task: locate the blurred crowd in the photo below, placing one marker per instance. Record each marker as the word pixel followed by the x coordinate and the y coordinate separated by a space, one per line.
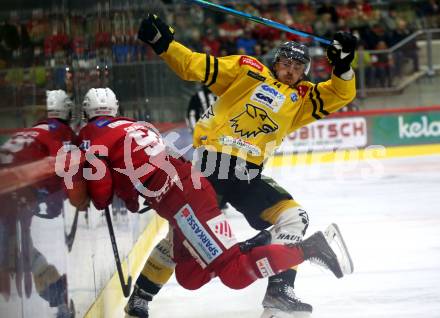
pixel 103 36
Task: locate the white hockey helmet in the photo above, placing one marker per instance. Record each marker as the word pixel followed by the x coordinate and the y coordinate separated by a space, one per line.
pixel 58 104
pixel 100 102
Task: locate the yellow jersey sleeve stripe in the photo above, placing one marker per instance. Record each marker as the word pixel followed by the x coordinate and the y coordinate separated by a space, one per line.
pixel 315 106
pixel 214 76
pixel 321 102
pixel 207 68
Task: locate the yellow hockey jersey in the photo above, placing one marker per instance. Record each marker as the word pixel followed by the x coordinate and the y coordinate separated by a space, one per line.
pixel 254 111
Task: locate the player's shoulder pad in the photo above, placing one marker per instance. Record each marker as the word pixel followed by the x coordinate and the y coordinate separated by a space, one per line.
pixel 45 125
pixel 42 126
pixel 251 62
pixel 120 121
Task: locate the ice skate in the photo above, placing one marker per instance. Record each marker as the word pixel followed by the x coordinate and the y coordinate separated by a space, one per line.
pixel 317 250
pixel 280 301
pixel 137 305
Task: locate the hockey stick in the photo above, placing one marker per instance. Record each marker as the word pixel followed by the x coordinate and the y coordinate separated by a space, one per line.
pixel 126 288
pixel 70 238
pixel 336 241
pixel 268 22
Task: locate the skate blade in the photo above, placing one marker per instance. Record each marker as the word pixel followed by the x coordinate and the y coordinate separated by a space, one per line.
pixel 276 313
pixel 337 243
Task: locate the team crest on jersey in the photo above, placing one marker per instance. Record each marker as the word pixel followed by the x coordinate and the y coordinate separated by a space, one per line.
pixel 253 121
pixel 294 97
pixel 209 112
pixel 269 97
pixel 302 90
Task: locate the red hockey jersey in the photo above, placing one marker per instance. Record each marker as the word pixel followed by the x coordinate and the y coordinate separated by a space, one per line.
pixel 126 155
pixel 44 139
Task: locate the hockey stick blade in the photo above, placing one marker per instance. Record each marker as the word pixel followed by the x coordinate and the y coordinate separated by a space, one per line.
pixel 126 287
pixel 268 22
pixel 336 241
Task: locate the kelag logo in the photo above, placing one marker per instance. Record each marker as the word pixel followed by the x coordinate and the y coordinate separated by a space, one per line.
pixel 406 129
pixel 417 129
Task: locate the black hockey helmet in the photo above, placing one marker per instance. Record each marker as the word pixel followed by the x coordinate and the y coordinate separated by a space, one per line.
pixel 293 51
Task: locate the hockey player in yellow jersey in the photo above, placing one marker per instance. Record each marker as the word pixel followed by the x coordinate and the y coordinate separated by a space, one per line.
pixel 257 107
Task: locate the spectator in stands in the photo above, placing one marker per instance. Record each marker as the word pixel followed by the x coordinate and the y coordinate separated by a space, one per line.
pixel 246 43
pixel 38 76
pixel 358 20
pixel 388 18
pixel 120 50
pixel 321 69
pixel 303 25
pixel 382 64
pixel 367 65
pixel 284 15
pixel 306 10
pixel 211 43
pixel 328 8
pixel 365 7
pixel 409 51
pixel 323 26
pixel 9 41
pixel 231 28
pixel 56 45
pixel 228 46
pixel 430 12
pixel 258 50
pixel 38 28
pixel 372 36
pixel 195 40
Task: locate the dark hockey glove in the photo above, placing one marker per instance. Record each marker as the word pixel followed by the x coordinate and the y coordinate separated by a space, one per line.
pixel 341 52
pixel 156 33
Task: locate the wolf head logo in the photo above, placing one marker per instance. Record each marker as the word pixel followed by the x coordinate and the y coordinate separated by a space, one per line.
pixel 209 112
pixel 252 121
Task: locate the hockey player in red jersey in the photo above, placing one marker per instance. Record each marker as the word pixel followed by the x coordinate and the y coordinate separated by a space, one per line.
pixel 47 138
pixel 132 160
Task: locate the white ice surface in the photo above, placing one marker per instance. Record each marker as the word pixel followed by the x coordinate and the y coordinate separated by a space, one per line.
pixel 390 218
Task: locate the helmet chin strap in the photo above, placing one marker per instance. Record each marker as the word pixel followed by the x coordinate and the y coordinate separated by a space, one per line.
pixel 299 80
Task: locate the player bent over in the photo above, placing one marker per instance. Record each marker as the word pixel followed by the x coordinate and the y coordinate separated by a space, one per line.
pixel 134 162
